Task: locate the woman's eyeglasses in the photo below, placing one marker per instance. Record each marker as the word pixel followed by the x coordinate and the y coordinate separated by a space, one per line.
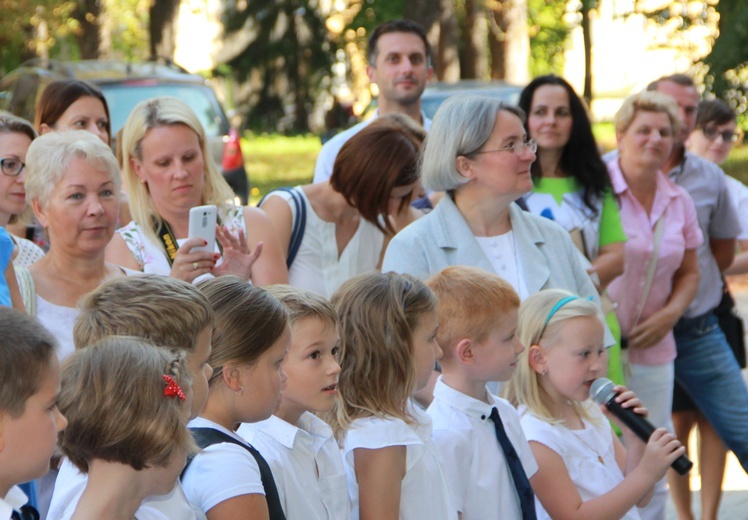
pixel 517 147
pixel 728 136
pixel 11 167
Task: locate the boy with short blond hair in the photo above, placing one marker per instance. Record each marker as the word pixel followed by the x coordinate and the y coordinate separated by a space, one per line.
pixel 300 447
pixel 168 313
pixel 29 418
pixel 477 333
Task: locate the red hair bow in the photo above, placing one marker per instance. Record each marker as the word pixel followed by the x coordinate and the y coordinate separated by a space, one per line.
pixel 172 388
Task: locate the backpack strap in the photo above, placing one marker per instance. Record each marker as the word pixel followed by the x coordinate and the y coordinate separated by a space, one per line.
pixel 299 221
pixel 205 437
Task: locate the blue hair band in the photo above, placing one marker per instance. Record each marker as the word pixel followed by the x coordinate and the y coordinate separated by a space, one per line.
pixel 559 304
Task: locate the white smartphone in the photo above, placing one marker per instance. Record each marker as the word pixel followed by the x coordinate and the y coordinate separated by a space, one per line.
pixel 203 225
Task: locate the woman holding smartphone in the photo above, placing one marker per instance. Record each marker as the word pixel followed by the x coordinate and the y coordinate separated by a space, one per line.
pixel 167 171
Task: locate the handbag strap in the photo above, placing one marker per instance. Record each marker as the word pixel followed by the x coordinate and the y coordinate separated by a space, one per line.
pixel 650 270
pixel 299 221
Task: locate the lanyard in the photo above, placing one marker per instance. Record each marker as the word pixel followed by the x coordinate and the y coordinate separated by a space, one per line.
pixel 169 241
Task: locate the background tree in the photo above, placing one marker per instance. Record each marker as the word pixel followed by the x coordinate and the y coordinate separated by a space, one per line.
pixel 161 27
pixel 289 49
pixel 88 34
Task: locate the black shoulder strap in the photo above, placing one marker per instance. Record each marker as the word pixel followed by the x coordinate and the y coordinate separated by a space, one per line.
pixel 299 222
pixel 205 437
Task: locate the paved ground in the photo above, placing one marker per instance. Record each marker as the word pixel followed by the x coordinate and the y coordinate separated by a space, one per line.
pixel 735 496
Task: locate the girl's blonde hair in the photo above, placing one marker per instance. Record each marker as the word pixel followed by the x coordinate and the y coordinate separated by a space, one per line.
pixel 378 313
pixel 247 322
pixel 112 395
pixel 540 316
pixel 155 113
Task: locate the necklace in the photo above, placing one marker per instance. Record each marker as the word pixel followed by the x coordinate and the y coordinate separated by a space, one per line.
pixel 580 439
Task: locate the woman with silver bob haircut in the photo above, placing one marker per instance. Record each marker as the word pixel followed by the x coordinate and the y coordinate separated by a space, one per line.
pixel 73 185
pixel 477 151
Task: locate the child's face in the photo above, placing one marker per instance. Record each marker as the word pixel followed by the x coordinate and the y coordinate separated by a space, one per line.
pixel 27 442
pixel 200 370
pixel 263 381
pixel 425 348
pixel 497 355
pixel 575 357
pixel 312 368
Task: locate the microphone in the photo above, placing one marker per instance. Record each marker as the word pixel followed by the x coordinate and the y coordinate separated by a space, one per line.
pixel 602 392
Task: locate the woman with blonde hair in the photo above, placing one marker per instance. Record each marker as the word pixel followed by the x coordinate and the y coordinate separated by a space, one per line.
pixel 661 271
pixel 167 171
pixel 73 186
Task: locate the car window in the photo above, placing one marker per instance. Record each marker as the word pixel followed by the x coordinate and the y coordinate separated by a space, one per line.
pixel 122 98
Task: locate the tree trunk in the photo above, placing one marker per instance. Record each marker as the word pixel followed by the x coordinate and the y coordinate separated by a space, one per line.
pixel 517 42
pixel 497 40
pixel 587 39
pixel 448 60
pixel 88 14
pixel 162 27
pixel 474 37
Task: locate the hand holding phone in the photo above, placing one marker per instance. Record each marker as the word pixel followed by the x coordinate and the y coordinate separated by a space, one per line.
pixel 203 225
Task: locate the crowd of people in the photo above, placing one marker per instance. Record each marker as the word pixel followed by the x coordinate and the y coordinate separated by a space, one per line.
pixel 341 352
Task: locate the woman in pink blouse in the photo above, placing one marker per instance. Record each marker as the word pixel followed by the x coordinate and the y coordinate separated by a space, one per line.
pixel 659 219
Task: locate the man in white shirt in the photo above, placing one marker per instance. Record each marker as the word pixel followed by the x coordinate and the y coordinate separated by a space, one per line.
pixel 400 64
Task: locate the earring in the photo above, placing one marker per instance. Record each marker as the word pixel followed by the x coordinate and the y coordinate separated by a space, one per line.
pixel 240 391
pixel 544 372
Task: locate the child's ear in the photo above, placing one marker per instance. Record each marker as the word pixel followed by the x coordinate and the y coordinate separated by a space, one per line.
pixel 464 351
pixel 232 377
pixel 538 361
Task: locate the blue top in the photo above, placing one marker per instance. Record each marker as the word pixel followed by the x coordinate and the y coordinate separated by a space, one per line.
pixel 6 251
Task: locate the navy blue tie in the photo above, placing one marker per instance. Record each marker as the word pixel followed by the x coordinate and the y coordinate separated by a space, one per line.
pixel 521 483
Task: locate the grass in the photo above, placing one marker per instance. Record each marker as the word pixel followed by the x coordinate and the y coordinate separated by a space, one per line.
pixel 274 161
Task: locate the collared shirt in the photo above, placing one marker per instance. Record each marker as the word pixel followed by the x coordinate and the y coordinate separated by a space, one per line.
pixel 14 500
pixel 478 476
pixel 717 216
pixel 307 466
pixel 329 151
pixel 680 232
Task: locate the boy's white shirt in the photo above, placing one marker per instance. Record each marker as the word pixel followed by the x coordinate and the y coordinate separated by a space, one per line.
pixel 13 500
pixel 477 475
pixel 71 483
pixel 296 455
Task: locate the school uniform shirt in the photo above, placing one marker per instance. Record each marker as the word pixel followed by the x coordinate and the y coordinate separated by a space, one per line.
pixel 70 484
pixel 14 500
pixel 220 472
pixel 306 465
pixel 580 451
pixel 424 492
pixel 478 477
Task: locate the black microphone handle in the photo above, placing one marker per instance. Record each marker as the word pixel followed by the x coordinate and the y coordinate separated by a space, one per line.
pixel 643 429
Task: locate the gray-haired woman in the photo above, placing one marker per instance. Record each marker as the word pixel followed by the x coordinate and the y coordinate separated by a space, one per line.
pixel 73 186
pixel 478 152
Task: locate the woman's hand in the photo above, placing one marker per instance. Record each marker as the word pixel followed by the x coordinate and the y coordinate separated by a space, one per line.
pixel 651 331
pixel 188 265
pixel 237 259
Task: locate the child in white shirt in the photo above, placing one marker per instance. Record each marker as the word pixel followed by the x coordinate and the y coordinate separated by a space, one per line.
pixel 583 470
pixel 388 348
pixel 300 447
pixel 477 332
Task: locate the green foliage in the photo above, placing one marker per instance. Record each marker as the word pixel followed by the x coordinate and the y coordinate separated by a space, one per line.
pixel 548 34
pixel 128 28
pixel 20 37
pixel 375 12
pixel 290 45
